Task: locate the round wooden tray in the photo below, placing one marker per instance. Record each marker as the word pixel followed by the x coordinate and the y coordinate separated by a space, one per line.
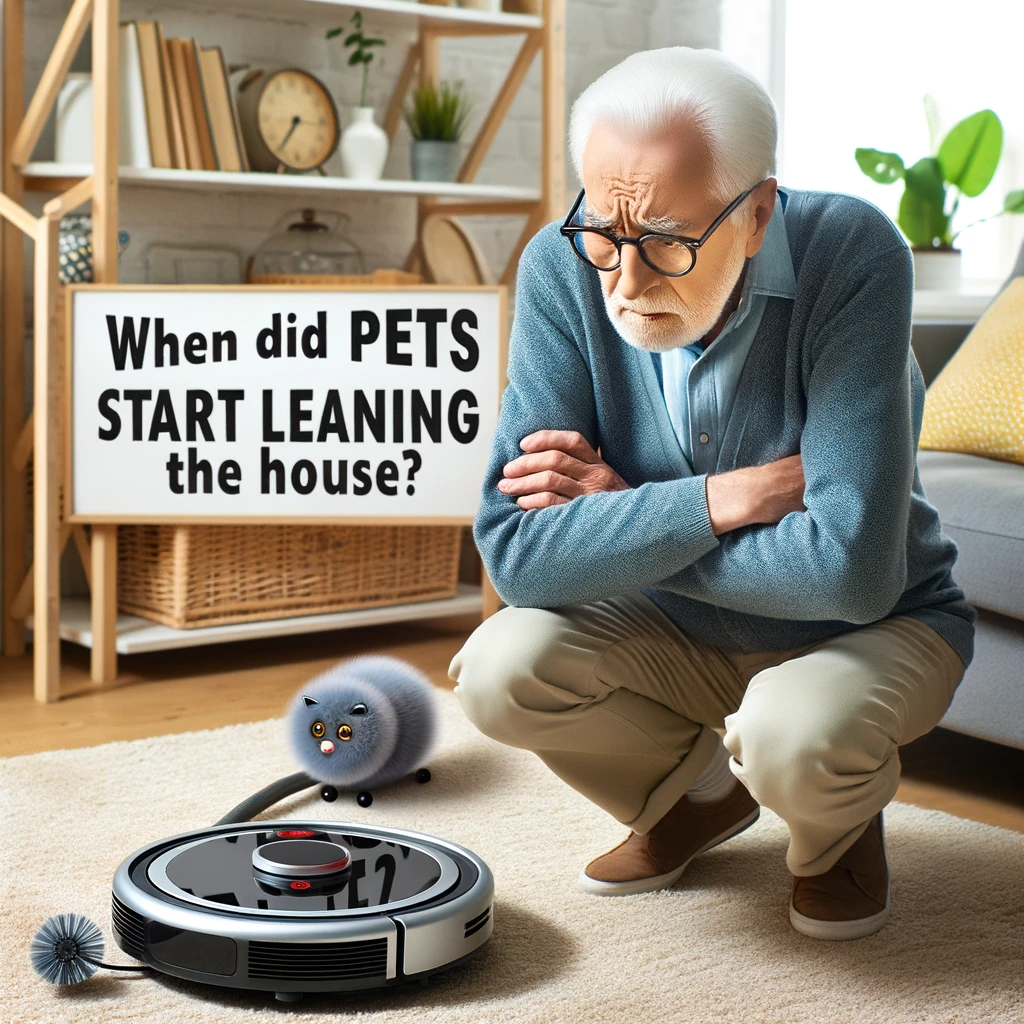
pixel 451 254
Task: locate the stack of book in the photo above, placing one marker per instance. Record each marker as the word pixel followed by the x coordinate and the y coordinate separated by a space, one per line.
pixel 177 109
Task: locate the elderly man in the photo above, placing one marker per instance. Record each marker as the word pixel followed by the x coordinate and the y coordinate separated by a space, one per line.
pixel 702 507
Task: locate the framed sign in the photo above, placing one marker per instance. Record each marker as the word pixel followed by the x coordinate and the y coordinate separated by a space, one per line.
pixel 252 404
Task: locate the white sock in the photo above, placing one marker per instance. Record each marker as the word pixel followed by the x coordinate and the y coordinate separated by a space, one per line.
pixel 716 781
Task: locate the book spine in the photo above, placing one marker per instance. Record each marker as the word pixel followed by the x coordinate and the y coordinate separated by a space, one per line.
pixel 178 153
pixel 199 108
pixel 194 156
pixel 153 87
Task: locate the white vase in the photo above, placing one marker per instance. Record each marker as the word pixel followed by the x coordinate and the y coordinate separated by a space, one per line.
pixel 936 269
pixel 364 146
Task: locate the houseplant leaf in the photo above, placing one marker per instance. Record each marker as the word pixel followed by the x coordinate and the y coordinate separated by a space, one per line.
pixel 921 215
pixel 879 166
pixel 970 152
pixel 1014 201
pixel 437 113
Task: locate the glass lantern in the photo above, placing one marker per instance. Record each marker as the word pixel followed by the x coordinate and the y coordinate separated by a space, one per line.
pixel 307 243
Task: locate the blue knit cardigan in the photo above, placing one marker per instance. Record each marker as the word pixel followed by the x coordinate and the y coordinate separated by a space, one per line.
pixel 830 374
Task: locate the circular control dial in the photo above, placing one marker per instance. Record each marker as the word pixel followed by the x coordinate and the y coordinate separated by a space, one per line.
pixel 301 858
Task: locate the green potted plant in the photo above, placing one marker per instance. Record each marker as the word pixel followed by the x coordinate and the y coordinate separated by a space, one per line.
pixel 963 164
pixel 436 118
pixel 364 144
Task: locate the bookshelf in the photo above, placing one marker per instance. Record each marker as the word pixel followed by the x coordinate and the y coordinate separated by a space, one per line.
pixel 136 635
pixel 429 16
pixel 50 177
pixel 31 592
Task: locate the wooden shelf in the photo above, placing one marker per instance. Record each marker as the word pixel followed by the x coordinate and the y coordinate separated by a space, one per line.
pixel 428 15
pixel 49 177
pixel 136 635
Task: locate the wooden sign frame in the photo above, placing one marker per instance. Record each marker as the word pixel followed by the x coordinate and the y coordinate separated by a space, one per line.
pixel 333 520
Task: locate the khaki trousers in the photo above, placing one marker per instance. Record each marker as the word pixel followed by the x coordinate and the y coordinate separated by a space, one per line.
pixel 623 706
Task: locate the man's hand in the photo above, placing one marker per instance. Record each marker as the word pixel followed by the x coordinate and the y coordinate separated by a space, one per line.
pixel 756 494
pixel 559 465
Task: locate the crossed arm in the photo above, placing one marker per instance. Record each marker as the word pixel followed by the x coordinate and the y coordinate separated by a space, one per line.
pixel 820 535
pixel 559 465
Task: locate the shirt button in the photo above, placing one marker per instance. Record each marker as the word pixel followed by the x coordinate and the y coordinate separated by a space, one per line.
pixel 704 438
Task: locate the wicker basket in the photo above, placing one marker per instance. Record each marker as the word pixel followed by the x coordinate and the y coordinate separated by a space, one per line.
pixel 190 576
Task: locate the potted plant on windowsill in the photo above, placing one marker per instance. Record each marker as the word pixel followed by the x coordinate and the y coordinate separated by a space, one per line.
pixel 965 161
pixel 436 118
pixel 364 144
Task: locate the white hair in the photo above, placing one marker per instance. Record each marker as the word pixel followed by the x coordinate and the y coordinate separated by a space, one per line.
pixel 650 89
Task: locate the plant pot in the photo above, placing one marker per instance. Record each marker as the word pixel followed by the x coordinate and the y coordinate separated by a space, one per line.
pixel 936 269
pixel 364 147
pixel 434 160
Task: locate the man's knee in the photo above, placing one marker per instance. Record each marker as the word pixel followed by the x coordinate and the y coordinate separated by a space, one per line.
pixel 495 666
pixel 787 753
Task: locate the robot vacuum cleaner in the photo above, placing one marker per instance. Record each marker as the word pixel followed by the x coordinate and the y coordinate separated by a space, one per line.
pixel 302 906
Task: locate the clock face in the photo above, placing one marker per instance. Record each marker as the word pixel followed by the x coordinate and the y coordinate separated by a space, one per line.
pixel 297 120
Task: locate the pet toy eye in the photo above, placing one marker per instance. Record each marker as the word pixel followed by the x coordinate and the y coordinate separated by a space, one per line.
pixel 358 709
pixel 344 731
pixel 318 729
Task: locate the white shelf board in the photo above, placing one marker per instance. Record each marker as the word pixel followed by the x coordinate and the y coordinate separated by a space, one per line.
pixel 428 14
pixel 136 635
pixel 245 181
pixel 960 305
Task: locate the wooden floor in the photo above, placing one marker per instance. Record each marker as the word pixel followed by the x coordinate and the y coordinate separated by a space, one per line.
pixel 224 684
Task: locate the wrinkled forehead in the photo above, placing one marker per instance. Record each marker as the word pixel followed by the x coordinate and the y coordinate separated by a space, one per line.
pixel 660 181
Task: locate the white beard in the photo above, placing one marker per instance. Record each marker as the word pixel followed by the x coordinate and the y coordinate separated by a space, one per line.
pixel 683 324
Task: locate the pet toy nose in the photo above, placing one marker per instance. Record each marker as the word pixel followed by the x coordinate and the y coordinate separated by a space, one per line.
pixel 327 747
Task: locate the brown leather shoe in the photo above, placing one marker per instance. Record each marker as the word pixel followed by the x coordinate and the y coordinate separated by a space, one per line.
pixel 643 863
pixel 849 900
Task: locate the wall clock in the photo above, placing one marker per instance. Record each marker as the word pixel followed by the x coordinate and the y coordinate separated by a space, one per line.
pixel 289 121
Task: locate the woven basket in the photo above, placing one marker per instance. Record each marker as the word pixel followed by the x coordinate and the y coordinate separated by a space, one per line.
pixel 190 576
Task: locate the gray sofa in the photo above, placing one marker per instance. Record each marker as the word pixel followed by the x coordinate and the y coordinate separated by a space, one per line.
pixel 981 506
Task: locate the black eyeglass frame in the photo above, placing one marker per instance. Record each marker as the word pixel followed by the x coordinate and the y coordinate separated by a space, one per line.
pixel 693 244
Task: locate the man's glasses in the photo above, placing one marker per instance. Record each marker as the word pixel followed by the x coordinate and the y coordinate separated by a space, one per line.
pixel 671 255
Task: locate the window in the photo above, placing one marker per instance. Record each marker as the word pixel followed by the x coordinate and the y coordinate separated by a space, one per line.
pixel 855 74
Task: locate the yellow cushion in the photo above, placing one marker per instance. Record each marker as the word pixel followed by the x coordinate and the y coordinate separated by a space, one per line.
pixel 976 404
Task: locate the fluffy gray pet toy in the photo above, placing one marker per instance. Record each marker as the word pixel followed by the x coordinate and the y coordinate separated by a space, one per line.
pixel 365 722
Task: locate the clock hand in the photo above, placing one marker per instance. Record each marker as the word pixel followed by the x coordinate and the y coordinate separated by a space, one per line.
pixel 296 121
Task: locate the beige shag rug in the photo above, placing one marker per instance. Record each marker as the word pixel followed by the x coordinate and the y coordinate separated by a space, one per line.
pixel 717 948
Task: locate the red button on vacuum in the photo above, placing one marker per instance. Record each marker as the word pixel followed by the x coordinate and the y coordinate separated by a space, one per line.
pixel 295 833
pixel 300 885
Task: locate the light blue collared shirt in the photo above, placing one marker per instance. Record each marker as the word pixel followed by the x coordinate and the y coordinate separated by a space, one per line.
pixel 699 384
